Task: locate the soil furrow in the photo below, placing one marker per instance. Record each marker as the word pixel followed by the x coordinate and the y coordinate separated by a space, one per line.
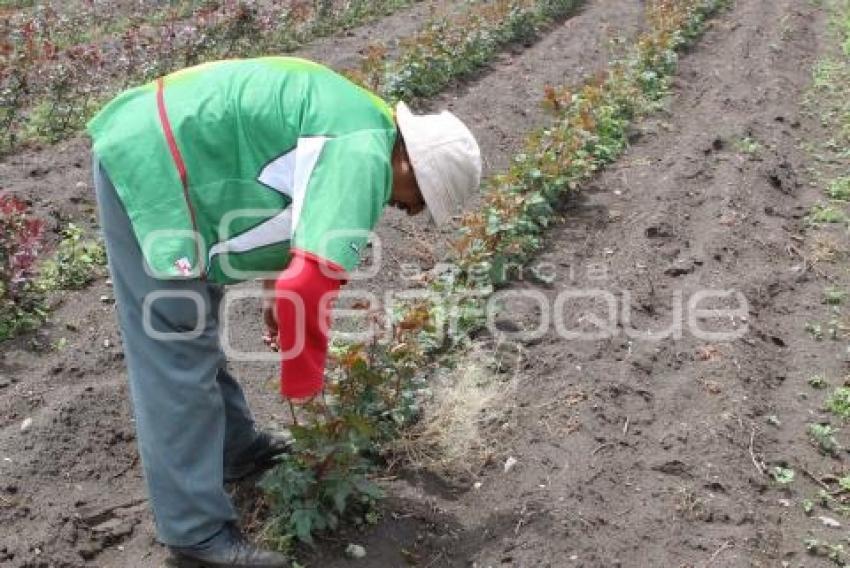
pixel 634 451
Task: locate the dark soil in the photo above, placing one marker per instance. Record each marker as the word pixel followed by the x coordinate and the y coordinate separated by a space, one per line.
pixel 630 451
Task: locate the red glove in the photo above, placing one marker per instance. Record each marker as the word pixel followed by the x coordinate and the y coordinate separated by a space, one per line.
pixel 304 293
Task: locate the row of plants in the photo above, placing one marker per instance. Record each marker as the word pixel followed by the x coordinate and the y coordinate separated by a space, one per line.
pixel 82 21
pixel 826 102
pixel 833 494
pixel 48 92
pixel 21 237
pixel 27 278
pixel 590 131
pixel 448 48
pixel 374 390
pixel 15 4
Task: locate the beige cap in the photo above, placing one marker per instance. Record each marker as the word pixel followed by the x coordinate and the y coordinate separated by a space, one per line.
pixel 445 157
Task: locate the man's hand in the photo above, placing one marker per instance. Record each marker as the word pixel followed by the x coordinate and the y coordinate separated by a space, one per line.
pixel 270 316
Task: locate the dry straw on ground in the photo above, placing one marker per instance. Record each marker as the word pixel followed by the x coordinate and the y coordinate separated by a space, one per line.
pixel 465 421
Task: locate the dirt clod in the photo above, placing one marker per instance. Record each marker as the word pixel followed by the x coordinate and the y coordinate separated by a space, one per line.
pixel 782 176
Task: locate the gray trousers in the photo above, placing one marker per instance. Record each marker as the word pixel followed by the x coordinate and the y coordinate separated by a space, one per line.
pixel 190 412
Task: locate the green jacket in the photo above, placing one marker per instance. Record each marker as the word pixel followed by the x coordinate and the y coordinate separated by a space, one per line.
pixel 225 167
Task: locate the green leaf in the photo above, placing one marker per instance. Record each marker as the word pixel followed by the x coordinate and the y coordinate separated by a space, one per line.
pixel 368 488
pixel 818 382
pixel 340 496
pixel 839 402
pixel 808 506
pixel 783 475
pixel 302 523
pixel 498 273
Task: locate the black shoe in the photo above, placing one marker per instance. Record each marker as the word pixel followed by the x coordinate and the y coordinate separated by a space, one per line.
pixel 257 457
pixel 227 549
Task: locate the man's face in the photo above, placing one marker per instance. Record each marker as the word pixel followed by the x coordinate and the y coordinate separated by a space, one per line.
pixel 405 193
pixel 408 198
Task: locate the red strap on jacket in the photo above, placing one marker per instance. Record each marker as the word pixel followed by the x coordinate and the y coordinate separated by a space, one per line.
pixel 304 293
pixel 177 157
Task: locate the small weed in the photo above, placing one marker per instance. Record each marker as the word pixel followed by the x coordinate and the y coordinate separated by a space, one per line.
pixel 783 475
pixel 835 552
pixel 839 402
pixel 747 145
pixel 823 436
pixel 821 214
pixel 808 506
pixel 839 189
pixel 837 327
pixel 77 262
pixel 834 328
pixel 832 502
pixel 834 296
pixel 818 382
pixel 824 73
pixel 815 330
